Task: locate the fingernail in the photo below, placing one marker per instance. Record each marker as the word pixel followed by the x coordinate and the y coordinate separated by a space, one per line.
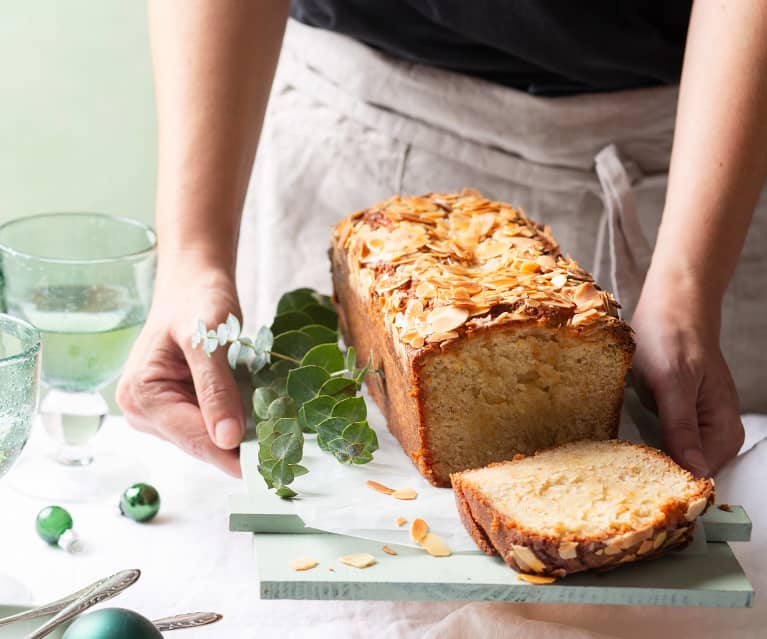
pixel 227 433
pixel 695 461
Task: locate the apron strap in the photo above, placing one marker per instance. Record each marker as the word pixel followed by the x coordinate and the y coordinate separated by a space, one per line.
pixel 630 252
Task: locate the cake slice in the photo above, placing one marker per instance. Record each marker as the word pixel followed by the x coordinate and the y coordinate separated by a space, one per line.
pixel 580 506
pixel 491 340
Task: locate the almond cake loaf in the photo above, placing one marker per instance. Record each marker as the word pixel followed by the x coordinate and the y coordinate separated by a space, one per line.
pixel 491 341
pixel 580 506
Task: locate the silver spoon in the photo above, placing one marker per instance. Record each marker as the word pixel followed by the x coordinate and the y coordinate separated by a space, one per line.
pixel 102 591
pixel 186 620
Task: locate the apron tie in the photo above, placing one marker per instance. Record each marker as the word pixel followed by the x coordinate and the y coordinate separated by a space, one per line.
pixel 629 250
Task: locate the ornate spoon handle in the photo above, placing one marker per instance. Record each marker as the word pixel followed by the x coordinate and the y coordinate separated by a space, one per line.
pixel 186 620
pixel 104 590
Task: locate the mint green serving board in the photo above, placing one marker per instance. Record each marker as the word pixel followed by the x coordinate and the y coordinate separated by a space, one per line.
pixel 711 579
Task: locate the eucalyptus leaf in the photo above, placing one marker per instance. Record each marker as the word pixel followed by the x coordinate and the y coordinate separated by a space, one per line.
pixel 350 360
pixel 329 429
pixel 320 334
pixel 339 387
pixel 293 344
pixel 282 407
pixel 352 408
pixel 297 299
pixel 322 315
pixel 326 356
pixel 290 321
pixel 285 492
pixel 298 470
pixel 288 425
pixel 210 343
pixel 288 448
pixel 265 428
pixel 233 354
pixel 305 382
pixel 222 333
pixel 263 396
pixel 365 457
pixel 282 473
pixel 315 411
pixel 233 327
pixel 264 339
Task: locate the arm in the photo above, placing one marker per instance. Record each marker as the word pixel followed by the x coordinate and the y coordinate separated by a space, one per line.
pixel 718 167
pixel 213 64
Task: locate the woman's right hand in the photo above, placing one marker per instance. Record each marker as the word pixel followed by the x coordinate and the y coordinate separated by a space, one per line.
pixel 177 392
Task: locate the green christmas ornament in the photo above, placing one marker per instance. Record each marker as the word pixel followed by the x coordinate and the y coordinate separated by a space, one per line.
pixel 140 502
pixel 112 623
pixel 54 525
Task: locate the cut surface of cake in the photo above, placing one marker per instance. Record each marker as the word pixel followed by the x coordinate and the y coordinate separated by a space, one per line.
pixel 492 342
pixel 580 506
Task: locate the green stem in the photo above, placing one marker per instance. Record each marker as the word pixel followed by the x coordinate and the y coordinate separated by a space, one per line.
pixel 285 357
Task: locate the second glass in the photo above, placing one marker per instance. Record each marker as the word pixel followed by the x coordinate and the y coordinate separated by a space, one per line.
pixel 85 281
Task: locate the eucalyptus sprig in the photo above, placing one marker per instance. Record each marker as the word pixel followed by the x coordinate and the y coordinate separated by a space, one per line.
pixel 303 384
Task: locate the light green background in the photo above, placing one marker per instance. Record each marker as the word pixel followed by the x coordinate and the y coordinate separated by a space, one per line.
pixel 77 126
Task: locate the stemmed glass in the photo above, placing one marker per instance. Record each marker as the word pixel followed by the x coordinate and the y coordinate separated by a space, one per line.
pixel 19 390
pixel 85 281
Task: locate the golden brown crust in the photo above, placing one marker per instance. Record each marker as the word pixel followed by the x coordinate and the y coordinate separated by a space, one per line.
pixel 441 265
pixel 527 550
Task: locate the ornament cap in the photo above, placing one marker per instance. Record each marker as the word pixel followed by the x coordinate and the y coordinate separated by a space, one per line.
pixel 70 541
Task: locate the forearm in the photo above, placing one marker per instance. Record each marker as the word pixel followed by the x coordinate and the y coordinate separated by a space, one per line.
pixel 719 158
pixel 213 62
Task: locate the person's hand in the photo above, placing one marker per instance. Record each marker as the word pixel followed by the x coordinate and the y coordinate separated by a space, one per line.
pixel 179 393
pixel 680 372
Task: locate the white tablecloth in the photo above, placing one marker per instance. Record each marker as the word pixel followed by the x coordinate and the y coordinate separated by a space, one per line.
pixel 190 561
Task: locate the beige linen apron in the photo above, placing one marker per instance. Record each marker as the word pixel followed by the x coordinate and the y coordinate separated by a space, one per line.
pixel 348 126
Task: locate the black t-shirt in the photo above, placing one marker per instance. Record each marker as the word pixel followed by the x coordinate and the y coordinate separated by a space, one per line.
pixel 544 47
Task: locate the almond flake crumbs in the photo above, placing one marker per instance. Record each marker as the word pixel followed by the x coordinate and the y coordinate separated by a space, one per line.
pixel 406 494
pixel 536 579
pixel 388 550
pixel 379 487
pixel 401 521
pixel 358 560
pixel 303 563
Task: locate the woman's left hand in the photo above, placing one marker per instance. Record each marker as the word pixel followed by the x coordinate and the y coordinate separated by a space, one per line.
pixel 679 372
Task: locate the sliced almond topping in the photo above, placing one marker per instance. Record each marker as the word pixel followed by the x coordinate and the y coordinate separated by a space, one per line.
pixel 659 539
pixel 558 281
pixel 528 558
pixel 388 550
pixel 358 560
pixel 435 545
pixel 696 508
pixel 404 493
pixel 587 297
pixel 567 550
pixel 645 547
pixel 379 487
pixel 538 580
pixel 418 529
pixel 445 319
pixel 546 261
pixel 401 521
pixel 304 563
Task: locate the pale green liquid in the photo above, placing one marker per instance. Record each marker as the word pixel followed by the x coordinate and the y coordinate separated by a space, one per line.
pixel 83 348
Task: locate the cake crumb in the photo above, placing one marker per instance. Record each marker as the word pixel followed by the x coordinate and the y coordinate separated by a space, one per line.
pixel 401 521
pixel 725 507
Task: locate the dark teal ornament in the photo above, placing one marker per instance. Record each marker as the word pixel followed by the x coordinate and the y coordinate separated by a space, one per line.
pixel 112 623
pixel 140 502
pixel 54 525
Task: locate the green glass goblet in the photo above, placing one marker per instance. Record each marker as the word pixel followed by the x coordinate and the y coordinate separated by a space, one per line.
pixel 19 390
pixel 85 281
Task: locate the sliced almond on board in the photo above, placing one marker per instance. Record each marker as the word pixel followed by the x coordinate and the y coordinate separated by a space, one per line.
pixel 404 493
pixel 388 550
pixel 303 563
pixel 358 560
pixel 418 529
pixel 536 579
pixel 435 545
pixel 401 521
pixel 379 487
